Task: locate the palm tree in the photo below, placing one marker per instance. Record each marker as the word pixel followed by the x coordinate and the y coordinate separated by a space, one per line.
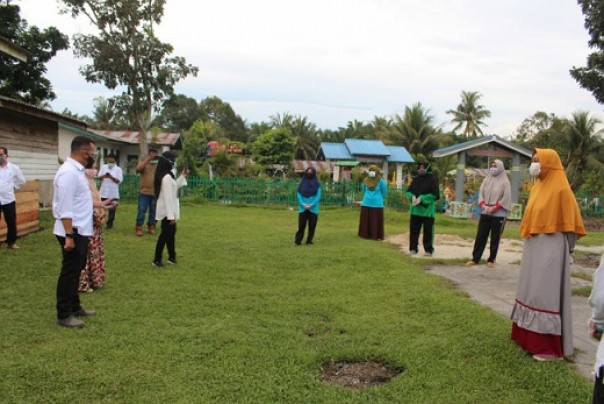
pixel 104 114
pixel 382 129
pixel 415 130
pixel 584 141
pixel 304 131
pixel 469 114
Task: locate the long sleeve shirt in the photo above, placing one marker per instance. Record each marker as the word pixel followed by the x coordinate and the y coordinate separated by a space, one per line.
pixel 72 199
pixel 374 198
pixel 313 201
pixel 109 188
pixel 168 205
pixel 11 178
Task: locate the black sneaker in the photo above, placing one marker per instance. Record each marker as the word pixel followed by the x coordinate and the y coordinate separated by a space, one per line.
pixel 172 261
pixel 157 264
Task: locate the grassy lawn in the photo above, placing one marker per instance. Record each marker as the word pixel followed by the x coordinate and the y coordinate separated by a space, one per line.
pixel 247 317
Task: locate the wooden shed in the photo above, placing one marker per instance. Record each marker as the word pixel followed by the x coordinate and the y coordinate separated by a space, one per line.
pixel 31 135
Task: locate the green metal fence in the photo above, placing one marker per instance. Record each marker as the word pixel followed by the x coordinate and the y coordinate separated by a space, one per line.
pixel 283 192
pixel 267 191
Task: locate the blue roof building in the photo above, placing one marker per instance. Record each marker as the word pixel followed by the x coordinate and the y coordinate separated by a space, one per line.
pixel 360 151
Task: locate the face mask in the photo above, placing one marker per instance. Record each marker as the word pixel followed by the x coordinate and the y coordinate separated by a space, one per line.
pixel 421 172
pixel 2 160
pixel 110 165
pixel 89 162
pixel 309 175
pixel 154 161
pixel 372 174
pixel 493 171
pixel 535 169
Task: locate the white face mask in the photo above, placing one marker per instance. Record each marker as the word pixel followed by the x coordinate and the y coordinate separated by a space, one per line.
pixel 493 170
pixel 110 165
pixel 535 169
pixel 372 174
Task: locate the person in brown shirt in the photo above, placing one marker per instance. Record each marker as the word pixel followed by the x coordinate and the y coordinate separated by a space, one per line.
pixel 146 194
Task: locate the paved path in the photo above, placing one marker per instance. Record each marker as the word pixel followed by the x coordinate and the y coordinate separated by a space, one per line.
pixel 496 288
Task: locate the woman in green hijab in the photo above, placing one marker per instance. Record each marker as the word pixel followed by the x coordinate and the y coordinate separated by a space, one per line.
pixel 371 225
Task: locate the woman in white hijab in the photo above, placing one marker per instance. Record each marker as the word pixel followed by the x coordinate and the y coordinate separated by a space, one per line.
pixel 495 200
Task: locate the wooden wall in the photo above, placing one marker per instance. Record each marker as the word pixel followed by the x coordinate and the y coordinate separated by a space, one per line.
pixel 28 212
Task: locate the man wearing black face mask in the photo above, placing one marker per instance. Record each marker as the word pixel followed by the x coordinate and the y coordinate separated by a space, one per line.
pixel 11 178
pixel 72 209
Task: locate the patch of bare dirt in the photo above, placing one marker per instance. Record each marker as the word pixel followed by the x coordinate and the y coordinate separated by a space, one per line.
pixel 358 375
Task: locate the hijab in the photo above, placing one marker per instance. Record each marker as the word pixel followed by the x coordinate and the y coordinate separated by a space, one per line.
pixel 425 184
pixel 370 182
pixel 552 206
pixel 496 188
pixel 309 186
pixel 164 167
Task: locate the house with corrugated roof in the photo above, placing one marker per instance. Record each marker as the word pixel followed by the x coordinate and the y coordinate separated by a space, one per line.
pixel 353 152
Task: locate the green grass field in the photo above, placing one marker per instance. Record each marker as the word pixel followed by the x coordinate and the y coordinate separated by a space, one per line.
pixel 247 317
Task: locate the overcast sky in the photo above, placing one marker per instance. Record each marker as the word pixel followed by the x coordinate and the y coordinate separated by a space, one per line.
pixel 335 61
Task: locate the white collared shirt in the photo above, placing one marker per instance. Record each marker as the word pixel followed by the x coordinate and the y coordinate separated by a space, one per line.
pixel 168 205
pixel 72 199
pixel 109 188
pixel 11 178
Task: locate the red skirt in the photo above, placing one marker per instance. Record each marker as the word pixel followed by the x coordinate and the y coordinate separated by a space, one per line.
pixel 371 225
pixel 537 344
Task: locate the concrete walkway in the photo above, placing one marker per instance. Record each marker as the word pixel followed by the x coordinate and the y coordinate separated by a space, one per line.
pixel 496 288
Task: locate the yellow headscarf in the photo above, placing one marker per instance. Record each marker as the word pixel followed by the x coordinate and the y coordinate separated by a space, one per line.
pixel 552 206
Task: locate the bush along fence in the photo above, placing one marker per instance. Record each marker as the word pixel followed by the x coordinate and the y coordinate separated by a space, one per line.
pixel 283 192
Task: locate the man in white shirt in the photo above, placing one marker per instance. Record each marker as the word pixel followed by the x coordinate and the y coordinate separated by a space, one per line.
pixel 111 177
pixel 11 178
pixel 72 210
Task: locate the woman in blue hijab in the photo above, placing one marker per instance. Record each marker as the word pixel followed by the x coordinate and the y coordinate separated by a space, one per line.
pixel 309 194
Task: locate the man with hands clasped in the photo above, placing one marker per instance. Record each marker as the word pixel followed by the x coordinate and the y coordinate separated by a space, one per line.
pixel 111 177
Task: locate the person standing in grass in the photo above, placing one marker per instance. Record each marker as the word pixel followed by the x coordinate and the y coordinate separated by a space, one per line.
pixel 552 222
pixel 422 193
pixel 146 194
pixel 308 196
pixel 375 189
pixel 72 209
pixel 111 177
pixel 93 275
pixel 168 207
pixel 11 178
pixel 495 201
pixel 596 326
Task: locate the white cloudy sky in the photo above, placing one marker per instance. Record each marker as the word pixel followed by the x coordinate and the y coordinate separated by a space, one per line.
pixel 335 61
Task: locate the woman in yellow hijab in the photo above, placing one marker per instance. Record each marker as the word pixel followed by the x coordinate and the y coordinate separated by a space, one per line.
pixel 552 222
pixel 375 189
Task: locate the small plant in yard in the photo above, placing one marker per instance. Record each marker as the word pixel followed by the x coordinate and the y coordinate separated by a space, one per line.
pixel 244 316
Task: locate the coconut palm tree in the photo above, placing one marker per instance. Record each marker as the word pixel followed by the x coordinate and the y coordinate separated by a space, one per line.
pixel 469 114
pixel 584 142
pixel 416 131
pixel 382 129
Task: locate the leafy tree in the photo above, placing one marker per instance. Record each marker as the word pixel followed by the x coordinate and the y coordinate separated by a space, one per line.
pixel 469 114
pixel 591 77
pixel 216 110
pixel 416 131
pixel 195 143
pixel 256 129
pixel 25 81
pixel 382 128
pixel 127 53
pixel 584 141
pixel 274 147
pixel 178 113
pixel 104 113
pixel 304 131
pixel 533 125
pixel 84 118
